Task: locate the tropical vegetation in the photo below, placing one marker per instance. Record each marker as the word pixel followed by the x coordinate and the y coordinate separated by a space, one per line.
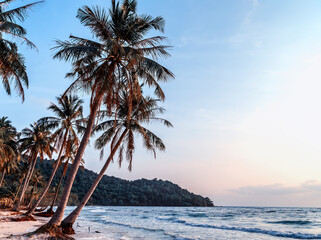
pixel 118 57
pixel 111 191
pixel 120 129
pixel 113 68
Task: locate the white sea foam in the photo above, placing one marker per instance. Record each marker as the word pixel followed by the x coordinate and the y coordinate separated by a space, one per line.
pixel 98 210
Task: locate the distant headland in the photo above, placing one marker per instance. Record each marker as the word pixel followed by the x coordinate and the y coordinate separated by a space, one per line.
pixel 113 191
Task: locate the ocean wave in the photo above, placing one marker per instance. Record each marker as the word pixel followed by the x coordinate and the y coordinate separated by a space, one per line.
pixel 172 235
pixel 171 214
pixel 182 224
pixel 197 215
pixel 179 237
pixel 98 210
pixel 165 218
pixel 132 226
pixel 270 211
pixel 112 210
pixel 261 231
pixel 177 220
pixel 171 219
pixel 228 215
pixel 294 222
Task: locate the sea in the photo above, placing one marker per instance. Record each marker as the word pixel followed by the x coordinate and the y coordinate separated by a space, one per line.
pixel 191 223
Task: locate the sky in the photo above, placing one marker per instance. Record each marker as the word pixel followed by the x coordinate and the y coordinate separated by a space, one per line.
pixel 245 102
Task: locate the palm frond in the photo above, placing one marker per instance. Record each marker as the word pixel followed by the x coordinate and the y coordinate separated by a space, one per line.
pixel 19 13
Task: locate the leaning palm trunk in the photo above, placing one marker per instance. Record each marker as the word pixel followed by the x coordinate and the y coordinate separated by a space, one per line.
pixel 31 210
pixel 71 218
pixel 24 180
pixel 20 185
pixel 50 210
pixel 26 183
pixel 53 225
pixel 2 177
pixel 32 195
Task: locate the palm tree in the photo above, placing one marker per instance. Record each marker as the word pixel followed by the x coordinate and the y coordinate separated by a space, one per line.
pixel 8 148
pixel 120 131
pixel 8 166
pixel 8 138
pixel 68 122
pixel 65 161
pixel 118 53
pixel 12 66
pixel 20 176
pixel 36 141
pixel 36 179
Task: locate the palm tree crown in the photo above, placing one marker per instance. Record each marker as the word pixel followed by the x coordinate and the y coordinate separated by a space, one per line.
pixel 9 154
pixel 36 141
pixel 12 66
pixel 69 118
pixel 119 52
pixel 144 110
pixel 8 140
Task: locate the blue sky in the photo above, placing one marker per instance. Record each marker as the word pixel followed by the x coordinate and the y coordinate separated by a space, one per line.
pixel 245 101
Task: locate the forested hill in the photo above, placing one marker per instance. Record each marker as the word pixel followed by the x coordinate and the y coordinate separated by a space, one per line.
pixel 113 191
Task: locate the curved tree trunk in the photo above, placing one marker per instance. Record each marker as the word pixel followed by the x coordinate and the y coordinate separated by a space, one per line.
pixel 31 210
pixel 26 183
pixel 71 218
pixel 32 195
pixel 53 225
pixel 20 185
pixel 50 210
pixel 2 177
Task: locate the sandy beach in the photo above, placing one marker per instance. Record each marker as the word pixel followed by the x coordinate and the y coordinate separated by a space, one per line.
pixel 12 230
pixel 15 230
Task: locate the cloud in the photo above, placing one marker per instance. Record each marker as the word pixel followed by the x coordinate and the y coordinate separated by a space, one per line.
pixel 255 2
pixel 275 195
pixel 248 18
pixel 248 33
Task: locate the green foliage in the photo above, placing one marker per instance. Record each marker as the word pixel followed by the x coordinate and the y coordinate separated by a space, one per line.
pixel 113 191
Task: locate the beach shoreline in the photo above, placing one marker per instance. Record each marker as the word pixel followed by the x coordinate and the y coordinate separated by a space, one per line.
pixel 154 223
pixel 16 230
pixel 12 229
